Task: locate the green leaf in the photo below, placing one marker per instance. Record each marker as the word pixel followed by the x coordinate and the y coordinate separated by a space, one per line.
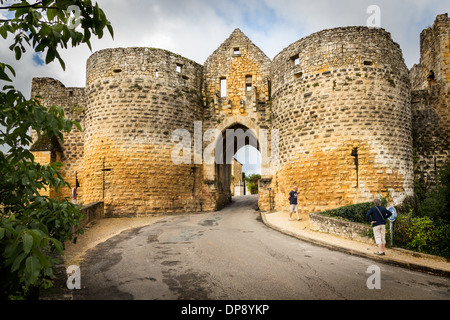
pixel 50 55
pixel 110 29
pixel 78 125
pixel 3 32
pixel 18 261
pixel 18 53
pixel 51 13
pixel 32 269
pixel 43 260
pixel 27 242
pixel 58 245
pixel 10 250
pixel 61 62
pixel 11 69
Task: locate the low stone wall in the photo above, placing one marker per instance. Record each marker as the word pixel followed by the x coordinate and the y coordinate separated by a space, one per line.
pixel 346 229
pixel 92 211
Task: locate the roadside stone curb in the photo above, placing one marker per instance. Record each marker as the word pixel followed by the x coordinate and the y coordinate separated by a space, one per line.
pixel 385 259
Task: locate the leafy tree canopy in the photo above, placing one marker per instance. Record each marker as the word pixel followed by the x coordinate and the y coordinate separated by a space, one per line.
pixel 32 226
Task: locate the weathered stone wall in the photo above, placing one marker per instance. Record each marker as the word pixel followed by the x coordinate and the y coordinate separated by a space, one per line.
pixel 236 176
pixel 347 229
pixel 137 97
pixel 246 70
pixel 44 158
pixel 91 212
pixel 430 101
pixel 52 92
pixel 341 95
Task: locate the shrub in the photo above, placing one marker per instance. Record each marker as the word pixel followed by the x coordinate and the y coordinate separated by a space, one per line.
pixel 28 240
pixel 435 202
pixel 422 234
pixel 252 183
pixel 354 212
pixel 33 227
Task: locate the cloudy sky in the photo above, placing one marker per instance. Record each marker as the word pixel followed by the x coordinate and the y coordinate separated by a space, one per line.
pixel 195 28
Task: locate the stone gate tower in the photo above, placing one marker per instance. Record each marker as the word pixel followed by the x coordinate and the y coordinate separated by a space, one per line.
pixel 237 97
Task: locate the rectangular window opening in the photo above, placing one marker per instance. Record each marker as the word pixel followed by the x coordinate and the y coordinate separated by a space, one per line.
pixel 236 51
pixel 179 67
pixel 223 87
pixel 248 83
pixel 295 60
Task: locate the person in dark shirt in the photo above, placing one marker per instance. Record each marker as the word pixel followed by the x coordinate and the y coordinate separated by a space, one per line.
pixel 377 215
pixel 293 203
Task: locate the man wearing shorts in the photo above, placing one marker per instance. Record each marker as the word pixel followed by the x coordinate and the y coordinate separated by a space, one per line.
pixel 293 203
pixel 377 215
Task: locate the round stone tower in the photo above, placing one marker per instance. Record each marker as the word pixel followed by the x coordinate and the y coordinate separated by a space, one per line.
pixel 341 103
pixel 136 99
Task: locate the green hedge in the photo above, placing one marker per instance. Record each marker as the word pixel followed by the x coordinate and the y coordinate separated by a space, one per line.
pixel 354 212
pixel 422 234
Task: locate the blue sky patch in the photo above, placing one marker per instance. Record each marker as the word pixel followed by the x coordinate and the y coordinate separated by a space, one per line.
pixel 37 59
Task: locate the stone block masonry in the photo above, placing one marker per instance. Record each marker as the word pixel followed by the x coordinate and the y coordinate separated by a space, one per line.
pixel 341 102
pixel 244 103
pixel 70 152
pixel 136 98
pixel 344 113
pixel 347 229
pixel 430 80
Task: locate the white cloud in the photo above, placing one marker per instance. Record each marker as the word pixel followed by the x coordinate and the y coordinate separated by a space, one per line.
pixel 195 28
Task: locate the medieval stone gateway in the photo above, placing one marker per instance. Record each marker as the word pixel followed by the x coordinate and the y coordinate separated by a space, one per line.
pixel 335 109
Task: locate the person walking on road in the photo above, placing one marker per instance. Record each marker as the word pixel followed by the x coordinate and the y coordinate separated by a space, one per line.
pixel 293 203
pixel 377 215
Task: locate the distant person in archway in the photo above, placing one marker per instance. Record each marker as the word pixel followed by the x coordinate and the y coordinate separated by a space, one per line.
pixel 293 203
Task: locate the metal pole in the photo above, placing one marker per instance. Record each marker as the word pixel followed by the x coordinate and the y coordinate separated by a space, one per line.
pixel 391 230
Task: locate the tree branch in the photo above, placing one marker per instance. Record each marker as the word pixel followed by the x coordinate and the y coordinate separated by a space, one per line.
pixel 22 7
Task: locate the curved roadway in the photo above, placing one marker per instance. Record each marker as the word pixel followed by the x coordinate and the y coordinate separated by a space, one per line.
pixel 231 254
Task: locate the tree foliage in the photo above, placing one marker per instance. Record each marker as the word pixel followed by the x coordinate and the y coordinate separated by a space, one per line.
pixel 435 202
pixel 252 182
pixel 32 226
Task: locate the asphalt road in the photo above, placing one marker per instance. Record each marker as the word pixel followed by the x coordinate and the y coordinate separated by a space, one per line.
pixel 231 254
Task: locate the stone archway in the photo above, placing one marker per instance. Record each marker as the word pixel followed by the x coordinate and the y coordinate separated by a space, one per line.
pixel 231 135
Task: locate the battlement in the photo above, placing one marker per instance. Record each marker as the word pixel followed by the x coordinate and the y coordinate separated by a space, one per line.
pixel 334 49
pixel 135 62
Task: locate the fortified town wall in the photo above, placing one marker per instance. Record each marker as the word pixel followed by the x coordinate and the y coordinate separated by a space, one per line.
pixel 350 119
